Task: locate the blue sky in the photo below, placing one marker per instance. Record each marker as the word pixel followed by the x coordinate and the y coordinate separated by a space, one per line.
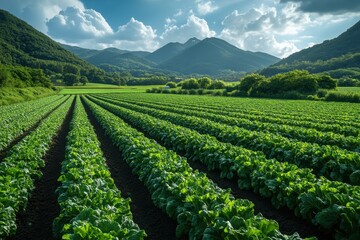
pixel 277 27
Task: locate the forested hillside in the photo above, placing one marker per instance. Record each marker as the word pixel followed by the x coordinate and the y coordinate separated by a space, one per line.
pixel 340 57
pixel 23 49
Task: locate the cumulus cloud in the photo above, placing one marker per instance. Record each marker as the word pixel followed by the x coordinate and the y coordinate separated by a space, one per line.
pixel 327 6
pixel 194 27
pixel 36 12
pixel 77 24
pixel 205 7
pixel 88 28
pixel 260 29
pixel 135 35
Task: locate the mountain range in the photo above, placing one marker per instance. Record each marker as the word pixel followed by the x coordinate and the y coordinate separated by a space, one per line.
pixel 210 56
pixel 22 45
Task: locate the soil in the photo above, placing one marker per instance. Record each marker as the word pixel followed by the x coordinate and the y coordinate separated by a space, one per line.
pixel 156 223
pixel 36 222
pixel 288 222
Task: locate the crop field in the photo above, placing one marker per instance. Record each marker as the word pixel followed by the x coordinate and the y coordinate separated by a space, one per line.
pixel 131 165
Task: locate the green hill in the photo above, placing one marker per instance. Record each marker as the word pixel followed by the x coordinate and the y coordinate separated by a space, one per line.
pixel 213 55
pixel 340 57
pixel 23 46
pixel 347 42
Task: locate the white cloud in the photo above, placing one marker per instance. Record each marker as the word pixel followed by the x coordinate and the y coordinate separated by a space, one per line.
pixel 88 28
pixel 194 27
pixel 135 35
pixel 135 30
pixel 77 24
pixel 35 12
pixel 179 13
pixel 205 7
pixel 260 29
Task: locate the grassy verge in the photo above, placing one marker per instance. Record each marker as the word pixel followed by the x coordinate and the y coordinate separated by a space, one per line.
pixel 15 95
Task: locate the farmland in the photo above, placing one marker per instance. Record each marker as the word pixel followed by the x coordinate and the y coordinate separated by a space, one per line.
pixel 122 164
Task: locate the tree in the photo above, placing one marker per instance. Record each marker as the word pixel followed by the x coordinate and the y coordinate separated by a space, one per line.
pixel 217 84
pixel 69 68
pixel 327 82
pixel 250 81
pixel 71 79
pixel 204 82
pixel 84 80
pixel 171 84
pixel 190 83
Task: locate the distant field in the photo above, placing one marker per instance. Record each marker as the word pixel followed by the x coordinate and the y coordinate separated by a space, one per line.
pixel 104 88
pixel 349 89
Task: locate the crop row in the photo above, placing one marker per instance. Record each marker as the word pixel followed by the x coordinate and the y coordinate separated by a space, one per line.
pixel 18 124
pixel 299 133
pixel 21 168
pixel 91 205
pixel 202 209
pixel 298 115
pixel 344 127
pixel 329 161
pixel 9 111
pixel 287 185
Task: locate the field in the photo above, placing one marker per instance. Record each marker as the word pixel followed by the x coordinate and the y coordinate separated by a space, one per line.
pixel 349 89
pixel 104 88
pixel 118 163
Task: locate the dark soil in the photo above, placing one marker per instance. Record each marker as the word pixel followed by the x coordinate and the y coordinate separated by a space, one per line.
pixel 156 223
pixel 6 150
pixel 288 222
pixel 43 208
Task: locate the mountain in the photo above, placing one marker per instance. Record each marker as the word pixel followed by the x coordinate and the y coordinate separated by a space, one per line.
pixel 347 42
pixel 114 59
pixel 212 56
pixel 80 52
pixel 125 60
pixel 170 50
pixel 21 44
pixel 331 56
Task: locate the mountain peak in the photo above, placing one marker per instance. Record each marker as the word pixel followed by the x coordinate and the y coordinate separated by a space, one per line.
pixel 213 55
pixel 192 40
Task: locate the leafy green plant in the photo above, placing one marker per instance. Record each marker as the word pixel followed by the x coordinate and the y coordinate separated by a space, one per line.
pixel 21 168
pixel 91 205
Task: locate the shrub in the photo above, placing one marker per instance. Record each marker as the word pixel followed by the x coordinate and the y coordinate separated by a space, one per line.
pixel 192 91
pixel 171 84
pixel 343 97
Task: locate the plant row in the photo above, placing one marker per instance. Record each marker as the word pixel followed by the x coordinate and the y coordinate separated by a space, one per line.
pixel 91 205
pixel 287 185
pixel 11 110
pixel 344 126
pixel 329 161
pixel 22 167
pixel 299 133
pixel 21 123
pixel 303 111
pixel 202 210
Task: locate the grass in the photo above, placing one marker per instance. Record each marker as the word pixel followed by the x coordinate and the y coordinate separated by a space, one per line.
pixel 15 95
pixel 104 88
pixel 349 89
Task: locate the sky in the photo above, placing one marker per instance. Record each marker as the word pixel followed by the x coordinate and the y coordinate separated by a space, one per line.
pixel 277 27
